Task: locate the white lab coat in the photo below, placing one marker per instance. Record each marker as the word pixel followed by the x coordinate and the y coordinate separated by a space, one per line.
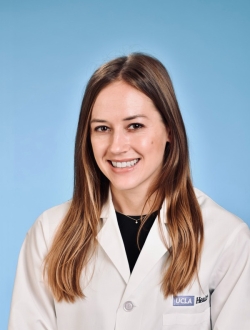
pixel 117 300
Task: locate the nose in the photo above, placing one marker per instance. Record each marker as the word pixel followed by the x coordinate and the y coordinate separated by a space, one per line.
pixel 119 142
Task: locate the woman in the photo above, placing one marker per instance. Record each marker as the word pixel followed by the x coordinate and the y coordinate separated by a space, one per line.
pixel 137 247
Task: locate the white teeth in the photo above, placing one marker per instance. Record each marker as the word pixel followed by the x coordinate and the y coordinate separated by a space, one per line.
pixel 125 164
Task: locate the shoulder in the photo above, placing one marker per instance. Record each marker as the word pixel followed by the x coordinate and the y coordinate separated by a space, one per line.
pixel 221 227
pixel 47 223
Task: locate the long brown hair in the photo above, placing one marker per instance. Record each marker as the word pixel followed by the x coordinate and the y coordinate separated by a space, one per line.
pixel 75 240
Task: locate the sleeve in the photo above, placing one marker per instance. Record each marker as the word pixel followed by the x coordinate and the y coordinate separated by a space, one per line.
pixel 32 306
pixel 230 298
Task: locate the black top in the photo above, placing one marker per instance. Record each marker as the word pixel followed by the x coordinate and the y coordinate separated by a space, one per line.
pixel 129 229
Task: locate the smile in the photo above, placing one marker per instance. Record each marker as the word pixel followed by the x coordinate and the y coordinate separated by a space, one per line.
pixel 125 164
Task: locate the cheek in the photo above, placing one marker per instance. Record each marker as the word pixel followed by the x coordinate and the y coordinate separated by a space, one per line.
pixel 96 142
pixel 93 145
pixel 158 146
pixel 96 149
pixel 99 150
pixel 150 145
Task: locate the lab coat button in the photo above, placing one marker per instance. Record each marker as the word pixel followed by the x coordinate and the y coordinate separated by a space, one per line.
pixel 128 306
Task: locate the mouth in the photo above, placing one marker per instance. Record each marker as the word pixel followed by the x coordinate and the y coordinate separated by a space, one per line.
pixel 130 163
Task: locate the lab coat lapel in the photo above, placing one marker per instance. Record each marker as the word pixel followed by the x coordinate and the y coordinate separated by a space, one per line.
pixel 152 251
pixel 110 239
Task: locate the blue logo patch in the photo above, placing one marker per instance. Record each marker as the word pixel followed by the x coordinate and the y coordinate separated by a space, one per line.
pixel 183 301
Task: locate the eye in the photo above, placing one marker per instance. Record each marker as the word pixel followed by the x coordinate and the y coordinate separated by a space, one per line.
pixel 101 128
pixel 135 126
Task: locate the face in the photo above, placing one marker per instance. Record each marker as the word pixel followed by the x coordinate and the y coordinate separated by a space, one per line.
pixel 128 137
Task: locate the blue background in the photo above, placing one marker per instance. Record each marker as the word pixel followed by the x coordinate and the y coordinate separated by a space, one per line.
pixel 49 49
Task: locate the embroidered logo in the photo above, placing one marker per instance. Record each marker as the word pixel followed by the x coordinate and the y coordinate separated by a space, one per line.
pixel 201 299
pixel 183 301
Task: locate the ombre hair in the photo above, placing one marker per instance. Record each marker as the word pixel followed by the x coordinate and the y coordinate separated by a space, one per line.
pixel 75 240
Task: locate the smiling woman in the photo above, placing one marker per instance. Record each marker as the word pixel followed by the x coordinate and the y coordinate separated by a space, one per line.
pixel 137 247
pixel 133 133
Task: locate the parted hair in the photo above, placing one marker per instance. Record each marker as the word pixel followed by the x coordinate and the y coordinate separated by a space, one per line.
pixel 75 240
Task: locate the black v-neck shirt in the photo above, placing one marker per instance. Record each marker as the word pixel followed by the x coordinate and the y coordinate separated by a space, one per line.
pixel 129 229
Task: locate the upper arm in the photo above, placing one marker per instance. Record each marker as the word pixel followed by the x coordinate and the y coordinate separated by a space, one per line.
pixel 230 284
pixel 32 305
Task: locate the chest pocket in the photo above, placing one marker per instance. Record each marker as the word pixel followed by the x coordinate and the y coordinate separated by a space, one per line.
pixel 194 321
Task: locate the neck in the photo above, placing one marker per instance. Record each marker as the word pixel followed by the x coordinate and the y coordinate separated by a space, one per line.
pixel 131 202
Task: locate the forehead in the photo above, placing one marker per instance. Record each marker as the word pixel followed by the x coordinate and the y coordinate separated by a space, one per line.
pixel 121 98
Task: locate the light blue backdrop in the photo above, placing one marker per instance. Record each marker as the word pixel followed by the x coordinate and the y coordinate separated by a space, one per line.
pixel 50 48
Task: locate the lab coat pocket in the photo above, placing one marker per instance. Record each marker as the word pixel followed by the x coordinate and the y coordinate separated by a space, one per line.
pixel 194 321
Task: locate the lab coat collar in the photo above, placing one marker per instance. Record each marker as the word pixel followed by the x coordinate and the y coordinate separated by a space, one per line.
pixel 111 241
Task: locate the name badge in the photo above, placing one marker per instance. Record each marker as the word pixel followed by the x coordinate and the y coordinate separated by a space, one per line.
pixel 183 301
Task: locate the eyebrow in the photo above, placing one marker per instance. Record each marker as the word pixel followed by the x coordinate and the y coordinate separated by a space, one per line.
pixel 125 119
pixel 134 117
